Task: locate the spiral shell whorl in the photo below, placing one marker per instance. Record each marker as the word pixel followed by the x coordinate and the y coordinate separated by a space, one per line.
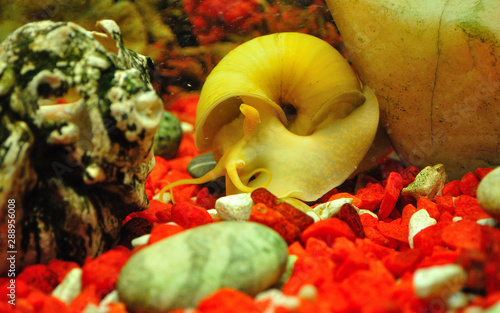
pixel 286 112
pixel 277 69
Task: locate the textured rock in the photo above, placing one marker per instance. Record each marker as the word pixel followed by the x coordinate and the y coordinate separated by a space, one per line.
pixel 437 102
pixel 78 115
pixel 179 271
pixel 428 182
pixel 488 193
pixel 235 207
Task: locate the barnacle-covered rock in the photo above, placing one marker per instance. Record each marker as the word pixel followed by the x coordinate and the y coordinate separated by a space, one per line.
pixel 78 115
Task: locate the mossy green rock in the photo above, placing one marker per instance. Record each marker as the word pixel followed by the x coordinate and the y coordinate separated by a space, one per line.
pixel 168 137
pixel 181 270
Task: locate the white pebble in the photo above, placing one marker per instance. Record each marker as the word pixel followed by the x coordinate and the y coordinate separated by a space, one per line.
pixel 167 197
pixel 308 292
pixel 278 299
pixel 418 221
pixel 330 208
pixel 140 241
pixel 111 297
pixel 457 301
pixel 457 218
pixel 187 127
pixel 70 287
pixel 487 222
pixel 363 211
pixel 214 214
pixel 439 281
pixel 234 207
pixel 92 308
pixel 314 216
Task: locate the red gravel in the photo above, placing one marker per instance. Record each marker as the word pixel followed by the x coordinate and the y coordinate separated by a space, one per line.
pixel 347 263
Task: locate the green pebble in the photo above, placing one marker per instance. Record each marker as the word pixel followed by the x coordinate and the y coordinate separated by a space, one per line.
pixel 181 270
pixel 168 136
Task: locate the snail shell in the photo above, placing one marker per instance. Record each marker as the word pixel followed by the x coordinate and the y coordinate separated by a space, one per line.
pixel 286 112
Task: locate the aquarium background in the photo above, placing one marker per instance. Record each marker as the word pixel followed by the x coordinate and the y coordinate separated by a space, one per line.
pixel 344 262
pixel 184 38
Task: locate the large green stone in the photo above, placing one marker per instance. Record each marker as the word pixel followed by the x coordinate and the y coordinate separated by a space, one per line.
pixel 181 270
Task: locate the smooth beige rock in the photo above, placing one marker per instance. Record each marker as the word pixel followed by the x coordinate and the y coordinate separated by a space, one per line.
pixel 439 281
pixel 434 67
pixel 488 193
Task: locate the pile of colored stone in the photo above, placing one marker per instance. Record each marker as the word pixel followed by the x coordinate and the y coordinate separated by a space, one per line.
pixel 404 242
pixel 395 240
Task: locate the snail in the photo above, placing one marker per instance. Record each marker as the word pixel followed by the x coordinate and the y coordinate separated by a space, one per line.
pixel 286 112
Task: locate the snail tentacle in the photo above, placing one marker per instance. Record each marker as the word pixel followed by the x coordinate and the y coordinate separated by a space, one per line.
pixel 251 121
pixel 232 173
pixel 216 172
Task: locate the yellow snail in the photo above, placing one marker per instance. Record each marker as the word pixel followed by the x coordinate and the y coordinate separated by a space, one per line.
pixel 285 112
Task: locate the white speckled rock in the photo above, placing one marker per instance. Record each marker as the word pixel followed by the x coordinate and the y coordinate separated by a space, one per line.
pixel 179 271
pixel 418 221
pixel 235 207
pixel 70 287
pixel 428 182
pixel 278 299
pixel 488 193
pixel 330 208
pixel 439 281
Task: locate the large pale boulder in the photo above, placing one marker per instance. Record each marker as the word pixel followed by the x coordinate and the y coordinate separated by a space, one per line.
pixel 434 67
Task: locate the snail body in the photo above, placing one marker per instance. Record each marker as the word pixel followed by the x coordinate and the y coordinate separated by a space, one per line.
pixel 286 112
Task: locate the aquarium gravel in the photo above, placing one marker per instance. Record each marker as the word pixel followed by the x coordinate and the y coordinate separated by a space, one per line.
pixel 384 242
